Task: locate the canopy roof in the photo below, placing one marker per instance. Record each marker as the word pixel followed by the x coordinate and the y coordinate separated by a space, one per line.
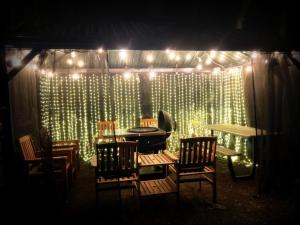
pixel 70 60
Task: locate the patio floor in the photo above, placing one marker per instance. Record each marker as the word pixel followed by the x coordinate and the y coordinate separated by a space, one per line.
pixel 236 205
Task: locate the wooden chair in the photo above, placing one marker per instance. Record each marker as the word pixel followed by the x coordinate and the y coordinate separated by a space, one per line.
pixel 58 147
pixel 109 126
pixel 148 123
pixel 196 162
pixel 74 145
pixel 61 162
pixel 117 167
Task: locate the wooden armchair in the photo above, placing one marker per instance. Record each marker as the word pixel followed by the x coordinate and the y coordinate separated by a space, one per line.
pixel 196 162
pixel 70 147
pixel 148 123
pixel 61 162
pixel 74 145
pixel 117 167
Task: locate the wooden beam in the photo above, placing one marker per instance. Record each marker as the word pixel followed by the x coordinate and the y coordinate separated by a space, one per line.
pixel 24 62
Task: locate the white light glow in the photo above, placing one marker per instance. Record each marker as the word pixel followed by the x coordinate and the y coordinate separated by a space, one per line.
pixel 50 74
pixel 80 63
pixel 188 56
pixel 152 75
pixel 123 54
pixel 70 62
pixel 127 75
pixel 212 54
pixel 266 61
pixel 149 58
pixel 248 69
pixel 177 58
pixel 222 57
pixel 172 55
pixel 254 55
pixel 208 61
pixel 75 76
pixel 43 72
pixel 100 50
pixel 73 54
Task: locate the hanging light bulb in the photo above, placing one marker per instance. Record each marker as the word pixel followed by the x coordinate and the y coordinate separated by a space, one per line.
pixel 73 54
pixel 80 63
pixel 123 54
pixel 188 56
pixel 172 55
pixel 70 62
pixel 212 54
pixel 177 58
pixel 149 58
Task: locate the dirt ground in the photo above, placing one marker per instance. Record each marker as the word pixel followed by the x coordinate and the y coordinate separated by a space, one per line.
pixel 237 204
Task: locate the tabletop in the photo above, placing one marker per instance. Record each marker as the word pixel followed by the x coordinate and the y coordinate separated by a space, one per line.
pixel 242 131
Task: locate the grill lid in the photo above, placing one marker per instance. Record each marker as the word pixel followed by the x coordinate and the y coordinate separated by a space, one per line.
pixel 164 121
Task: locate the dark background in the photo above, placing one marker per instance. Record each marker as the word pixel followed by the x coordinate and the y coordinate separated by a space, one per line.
pixel 187 25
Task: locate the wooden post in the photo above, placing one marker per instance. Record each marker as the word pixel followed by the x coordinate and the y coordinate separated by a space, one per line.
pixel 7 154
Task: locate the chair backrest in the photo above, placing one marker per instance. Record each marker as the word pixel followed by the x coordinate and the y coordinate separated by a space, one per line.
pixel 45 139
pixel 197 152
pixel 27 147
pixel 106 125
pixel 148 123
pixel 117 159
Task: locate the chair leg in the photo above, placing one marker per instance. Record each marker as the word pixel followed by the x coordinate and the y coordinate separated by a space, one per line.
pixel 214 188
pixel 177 193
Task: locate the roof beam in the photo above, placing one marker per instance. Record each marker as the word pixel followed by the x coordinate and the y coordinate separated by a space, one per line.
pixel 24 62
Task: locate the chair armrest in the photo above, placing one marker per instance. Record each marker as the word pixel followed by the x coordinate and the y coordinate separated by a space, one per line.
pixel 66 144
pixel 36 160
pixel 61 162
pixel 67 152
pixel 171 156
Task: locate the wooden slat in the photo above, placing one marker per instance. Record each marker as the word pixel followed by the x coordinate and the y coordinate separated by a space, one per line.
pixel 157 187
pixel 226 151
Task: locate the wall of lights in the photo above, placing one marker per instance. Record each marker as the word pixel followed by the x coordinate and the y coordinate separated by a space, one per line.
pixel 71 106
pixel 197 99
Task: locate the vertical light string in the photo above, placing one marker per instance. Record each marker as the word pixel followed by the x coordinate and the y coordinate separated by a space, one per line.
pixel 71 107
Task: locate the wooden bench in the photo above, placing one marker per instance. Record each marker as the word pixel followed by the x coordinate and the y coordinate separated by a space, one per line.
pixel 229 153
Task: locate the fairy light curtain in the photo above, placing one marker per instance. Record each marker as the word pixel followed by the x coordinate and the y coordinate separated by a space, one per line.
pixel 71 106
pixel 197 99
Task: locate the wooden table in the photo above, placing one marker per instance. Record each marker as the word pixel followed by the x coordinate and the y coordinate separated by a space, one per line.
pixel 244 132
pixel 156 186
